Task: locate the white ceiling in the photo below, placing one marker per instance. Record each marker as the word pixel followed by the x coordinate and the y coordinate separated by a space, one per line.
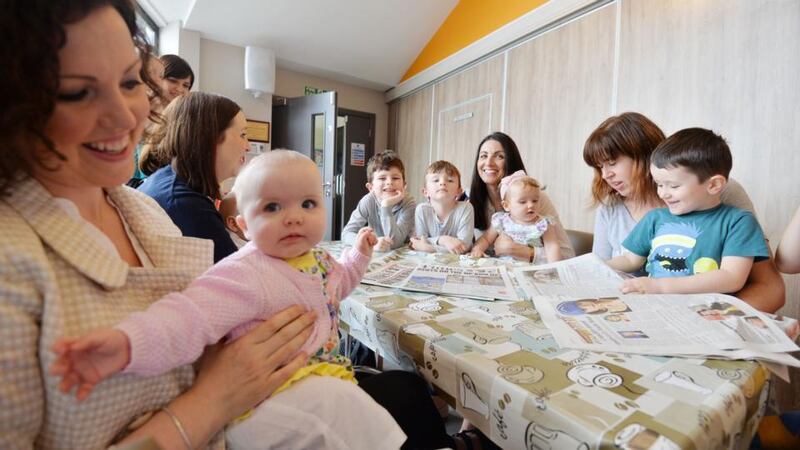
pixel 370 43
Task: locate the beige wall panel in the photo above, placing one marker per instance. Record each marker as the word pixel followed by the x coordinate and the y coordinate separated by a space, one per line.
pixel 468 106
pixel 414 136
pixel 731 66
pixel 391 132
pixel 558 90
pixel 459 130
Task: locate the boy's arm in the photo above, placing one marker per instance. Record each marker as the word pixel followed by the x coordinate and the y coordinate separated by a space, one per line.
pixel 358 220
pixel 465 231
pixel 174 330
pixel 460 231
pixel 730 278
pixel 421 229
pixel 398 228
pixel 787 257
pixel 637 245
pixel 627 262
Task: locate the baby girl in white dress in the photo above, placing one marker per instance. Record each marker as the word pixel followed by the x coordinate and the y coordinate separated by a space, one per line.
pixel 521 220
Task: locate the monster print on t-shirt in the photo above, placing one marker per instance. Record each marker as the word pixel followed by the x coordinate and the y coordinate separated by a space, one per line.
pixel 696 242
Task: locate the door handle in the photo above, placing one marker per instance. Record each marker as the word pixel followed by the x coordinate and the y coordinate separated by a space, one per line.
pixel 339 189
pixel 326 189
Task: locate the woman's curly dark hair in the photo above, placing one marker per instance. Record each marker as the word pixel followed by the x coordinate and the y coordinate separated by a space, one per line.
pixel 34 31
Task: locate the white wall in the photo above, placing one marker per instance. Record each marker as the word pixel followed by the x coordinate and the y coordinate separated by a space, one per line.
pixel 292 84
pixel 222 69
pixel 219 69
pixel 173 39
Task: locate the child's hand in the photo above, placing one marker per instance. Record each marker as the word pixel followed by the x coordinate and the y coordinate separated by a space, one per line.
pixel 641 285
pixel 504 245
pixel 453 245
pixel 477 252
pixel 85 361
pixel 421 245
pixel 384 244
pixel 392 200
pixel 365 240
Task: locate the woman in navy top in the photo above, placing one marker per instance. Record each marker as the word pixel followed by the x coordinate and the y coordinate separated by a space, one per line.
pixel 205 136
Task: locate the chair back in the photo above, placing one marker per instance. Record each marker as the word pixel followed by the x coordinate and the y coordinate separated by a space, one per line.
pixel 581 241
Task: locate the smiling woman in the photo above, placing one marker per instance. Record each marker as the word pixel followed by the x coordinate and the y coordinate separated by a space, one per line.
pixel 79 251
pixel 177 78
pixel 497 157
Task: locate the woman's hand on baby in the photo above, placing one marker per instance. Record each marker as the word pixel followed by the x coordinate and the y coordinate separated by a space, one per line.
pixel 86 360
pixel 505 246
pixel 477 251
pixel 453 244
pixel 235 377
pixel 383 244
pixel 365 241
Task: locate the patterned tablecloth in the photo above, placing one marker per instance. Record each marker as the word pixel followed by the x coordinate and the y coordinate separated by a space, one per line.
pixel 498 364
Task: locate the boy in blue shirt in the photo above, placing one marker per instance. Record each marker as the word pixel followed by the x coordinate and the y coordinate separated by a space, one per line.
pixel 696 244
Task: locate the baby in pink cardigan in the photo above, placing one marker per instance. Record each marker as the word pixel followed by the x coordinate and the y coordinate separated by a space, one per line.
pixel 282 213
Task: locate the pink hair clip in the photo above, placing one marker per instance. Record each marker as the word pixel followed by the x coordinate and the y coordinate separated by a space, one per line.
pixel 506 182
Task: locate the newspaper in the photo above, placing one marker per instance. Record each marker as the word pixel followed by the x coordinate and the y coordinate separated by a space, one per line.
pixel 580 302
pixel 485 283
pixel 584 275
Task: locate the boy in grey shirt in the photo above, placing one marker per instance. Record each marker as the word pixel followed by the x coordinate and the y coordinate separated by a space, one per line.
pixel 387 209
pixel 443 224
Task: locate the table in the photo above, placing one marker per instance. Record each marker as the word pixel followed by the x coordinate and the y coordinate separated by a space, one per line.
pixel 498 365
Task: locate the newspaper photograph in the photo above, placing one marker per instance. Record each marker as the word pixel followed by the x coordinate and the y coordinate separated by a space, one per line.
pixel 486 283
pixel 585 275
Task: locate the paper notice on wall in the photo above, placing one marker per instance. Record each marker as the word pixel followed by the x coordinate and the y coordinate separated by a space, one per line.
pixel 357 154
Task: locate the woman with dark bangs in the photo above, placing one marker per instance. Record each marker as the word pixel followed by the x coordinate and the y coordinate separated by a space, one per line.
pixel 177 78
pixel 623 191
pixel 498 156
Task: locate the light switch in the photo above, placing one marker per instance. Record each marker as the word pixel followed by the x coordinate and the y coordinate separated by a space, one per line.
pixel 257 147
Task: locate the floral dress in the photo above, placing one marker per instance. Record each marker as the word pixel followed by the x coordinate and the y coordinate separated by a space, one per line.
pixel 523 233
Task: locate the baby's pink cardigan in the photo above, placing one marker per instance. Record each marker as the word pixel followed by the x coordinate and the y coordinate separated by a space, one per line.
pixel 229 299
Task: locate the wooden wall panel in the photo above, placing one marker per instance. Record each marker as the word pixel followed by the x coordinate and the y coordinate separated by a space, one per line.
pixel 559 89
pixel 467 107
pixel 413 136
pixel 391 132
pixel 731 66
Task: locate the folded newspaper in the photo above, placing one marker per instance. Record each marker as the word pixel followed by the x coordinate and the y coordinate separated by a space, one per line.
pixel 580 302
pixel 484 283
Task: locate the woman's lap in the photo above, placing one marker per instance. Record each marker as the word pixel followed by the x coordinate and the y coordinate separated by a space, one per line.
pixel 316 413
pixel 407 398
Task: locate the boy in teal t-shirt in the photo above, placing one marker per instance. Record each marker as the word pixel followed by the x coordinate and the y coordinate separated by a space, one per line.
pixel 696 244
